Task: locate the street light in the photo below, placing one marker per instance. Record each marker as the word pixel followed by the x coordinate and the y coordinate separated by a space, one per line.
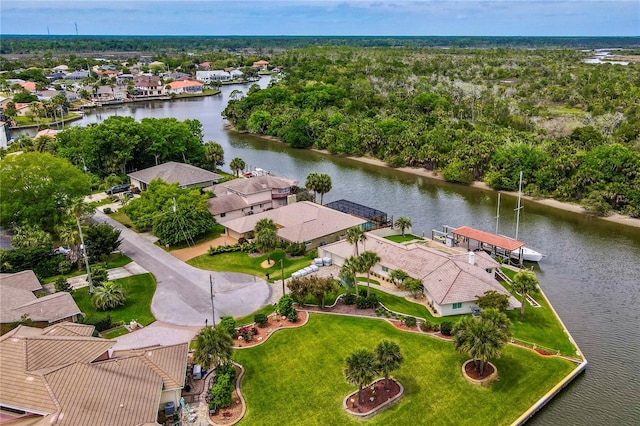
pixel 282 270
pixel 213 309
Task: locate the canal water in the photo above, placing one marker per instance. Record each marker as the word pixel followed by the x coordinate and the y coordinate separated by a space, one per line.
pixel 591 272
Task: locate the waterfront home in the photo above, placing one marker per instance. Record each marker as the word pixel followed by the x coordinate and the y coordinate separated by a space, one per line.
pixel 18 298
pixel 148 85
pixel 304 221
pixel 240 197
pixel 184 86
pixel 47 95
pixel 262 65
pixel 61 375
pixel 49 133
pixel 204 65
pixel 208 77
pixel 185 175
pixel 452 281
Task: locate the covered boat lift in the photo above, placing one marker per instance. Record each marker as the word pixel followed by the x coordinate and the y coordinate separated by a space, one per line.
pixel 475 239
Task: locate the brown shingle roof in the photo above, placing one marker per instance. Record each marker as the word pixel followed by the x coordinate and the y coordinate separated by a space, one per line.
pixel 169 362
pixel 50 308
pixel 172 172
pixel 68 329
pixel 45 352
pixel 256 184
pixel 226 204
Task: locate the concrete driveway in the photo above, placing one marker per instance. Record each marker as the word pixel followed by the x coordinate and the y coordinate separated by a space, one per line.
pixel 182 296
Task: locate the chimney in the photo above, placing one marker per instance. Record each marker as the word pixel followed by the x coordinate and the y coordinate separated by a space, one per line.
pixel 472 257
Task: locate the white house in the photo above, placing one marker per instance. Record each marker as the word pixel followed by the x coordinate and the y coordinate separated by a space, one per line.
pixel 451 282
pixel 213 75
pixel 185 86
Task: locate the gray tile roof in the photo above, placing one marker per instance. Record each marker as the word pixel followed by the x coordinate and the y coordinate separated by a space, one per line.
pixel 226 204
pixel 180 173
pixel 256 184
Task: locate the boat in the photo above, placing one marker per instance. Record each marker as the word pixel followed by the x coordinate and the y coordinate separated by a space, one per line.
pixel 523 253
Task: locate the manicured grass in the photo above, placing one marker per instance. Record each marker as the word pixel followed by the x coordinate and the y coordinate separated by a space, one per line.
pixel 242 262
pixel 119 216
pixel 296 377
pixel 213 233
pixel 402 239
pixel 139 290
pixel 267 310
pixel 540 325
pixel 564 111
pixel 116 260
pixel 404 306
pixel 116 332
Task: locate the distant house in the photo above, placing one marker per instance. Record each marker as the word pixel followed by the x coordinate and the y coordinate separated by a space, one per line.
pixel 179 76
pixel 77 75
pixel 50 133
pixel 62 68
pixel 18 299
pixel 307 222
pixel 55 76
pixel 240 197
pixel 185 86
pixel 22 109
pixel 212 76
pixel 451 282
pixel 108 73
pixel 185 175
pixel 61 375
pixel 146 85
pixel 47 95
pixel 29 86
pixel 262 64
pixel 236 74
pixel 204 65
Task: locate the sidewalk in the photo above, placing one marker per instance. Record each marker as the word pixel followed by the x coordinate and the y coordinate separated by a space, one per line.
pixel 80 281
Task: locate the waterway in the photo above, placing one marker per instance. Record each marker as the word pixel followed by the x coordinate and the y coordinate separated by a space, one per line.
pixel 591 273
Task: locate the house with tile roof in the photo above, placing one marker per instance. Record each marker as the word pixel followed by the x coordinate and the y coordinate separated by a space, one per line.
pixel 212 76
pixel 29 86
pixel 185 175
pixel 304 221
pixel 148 85
pixel 249 195
pixel 451 281
pixel 18 300
pixel 63 376
pixel 184 86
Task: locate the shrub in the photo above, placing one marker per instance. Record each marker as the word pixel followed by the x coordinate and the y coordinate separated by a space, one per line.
pixel 222 391
pixel 370 302
pixel 40 259
pixel 296 249
pixel 103 324
pixel 99 275
pixel 260 319
pixel 62 284
pixel 446 328
pixel 425 325
pixel 293 316
pixel 247 333
pixel 409 321
pixel 64 267
pixel 229 324
pixel 285 306
pixel 226 370
pixel 349 298
pixel 107 210
pixel 313 253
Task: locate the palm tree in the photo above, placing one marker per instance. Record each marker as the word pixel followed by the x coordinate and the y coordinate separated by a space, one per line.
pixel 31 236
pixel 350 268
pixel 108 296
pixel 264 224
pixel 266 241
pixel 312 184
pixel 236 165
pixel 356 235
pixel 323 185
pixel 398 276
pixel 361 369
pixel 69 236
pixel 524 282
pixel 80 211
pixel 214 154
pixel 213 346
pixel 368 260
pixel 481 338
pixel 403 223
pixel 389 358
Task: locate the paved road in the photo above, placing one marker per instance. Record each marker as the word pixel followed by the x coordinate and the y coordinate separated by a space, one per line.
pixel 182 296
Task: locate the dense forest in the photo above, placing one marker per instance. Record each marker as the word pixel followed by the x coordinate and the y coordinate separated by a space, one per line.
pixel 32 44
pixel 573 128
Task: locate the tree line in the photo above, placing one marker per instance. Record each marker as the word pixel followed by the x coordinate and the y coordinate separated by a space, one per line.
pixel 573 128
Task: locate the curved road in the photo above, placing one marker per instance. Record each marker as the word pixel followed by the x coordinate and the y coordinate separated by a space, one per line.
pixel 182 296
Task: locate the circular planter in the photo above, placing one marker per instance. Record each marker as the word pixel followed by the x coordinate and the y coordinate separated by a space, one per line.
pixel 486 381
pixel 372 412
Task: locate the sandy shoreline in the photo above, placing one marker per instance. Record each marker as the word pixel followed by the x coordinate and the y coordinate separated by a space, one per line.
pixel 561 205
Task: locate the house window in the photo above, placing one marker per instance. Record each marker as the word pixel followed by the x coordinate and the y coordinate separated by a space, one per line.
pixel 457 305
pixel 223 214
pixel 308 243
pixel 251 207
pixel 385 269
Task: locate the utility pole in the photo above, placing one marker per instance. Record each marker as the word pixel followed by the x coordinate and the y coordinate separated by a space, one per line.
pixel 213 309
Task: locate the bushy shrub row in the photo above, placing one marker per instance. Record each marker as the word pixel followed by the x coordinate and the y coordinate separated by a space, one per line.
pixel 260 319
pixel 296 249
pixel 40 259
pixel 245 247
pixel 247 333
pixel 370 302
pixel 446 328
pixel 221 393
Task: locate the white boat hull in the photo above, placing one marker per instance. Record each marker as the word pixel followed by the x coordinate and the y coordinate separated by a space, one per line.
pixel 527 254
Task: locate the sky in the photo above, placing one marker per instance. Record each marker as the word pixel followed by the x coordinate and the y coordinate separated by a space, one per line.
pixel 319 17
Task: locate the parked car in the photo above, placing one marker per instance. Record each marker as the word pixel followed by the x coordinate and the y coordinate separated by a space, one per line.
pixel 61 250
pixel 127 194
pixel 117 188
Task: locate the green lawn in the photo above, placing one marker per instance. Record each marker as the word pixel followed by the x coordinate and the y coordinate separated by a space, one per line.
pixel 402 239
pixel 213 233
pixel 267 310
pixel 116 332
pixel 116 260
pixel 119 216
pixel 139 290
pixel 242 262
pixel 296 378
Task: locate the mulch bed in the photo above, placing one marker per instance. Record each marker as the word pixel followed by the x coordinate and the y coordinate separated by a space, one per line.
pixel 341 308
pixel 373 399
pixel 272 325
pixel 543 352
pixel 232 413
pixel 471 371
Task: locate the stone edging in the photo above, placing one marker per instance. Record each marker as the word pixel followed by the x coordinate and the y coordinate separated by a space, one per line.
pixel 480 382
pixel 270 334
pixel 244 406
pixel 377 409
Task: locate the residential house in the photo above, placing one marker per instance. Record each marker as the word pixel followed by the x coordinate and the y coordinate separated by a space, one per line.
pixel 107 73
pixel 307 222
pixel 55 76
pixel 108 94
pixel 452 281
pixel 77 75
pixel 146 85
pixel 61 375
pixel 185 175
pixel 261 65
pixel 208 77
pixel 22 109
pixel 179 76
pixel 204 65
pixel 47 95
pixel 236 74
pixel 62 68
pixel 50 133
pixel 240 197
pixel 18 299
pixel 185 86
pixel 29 86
